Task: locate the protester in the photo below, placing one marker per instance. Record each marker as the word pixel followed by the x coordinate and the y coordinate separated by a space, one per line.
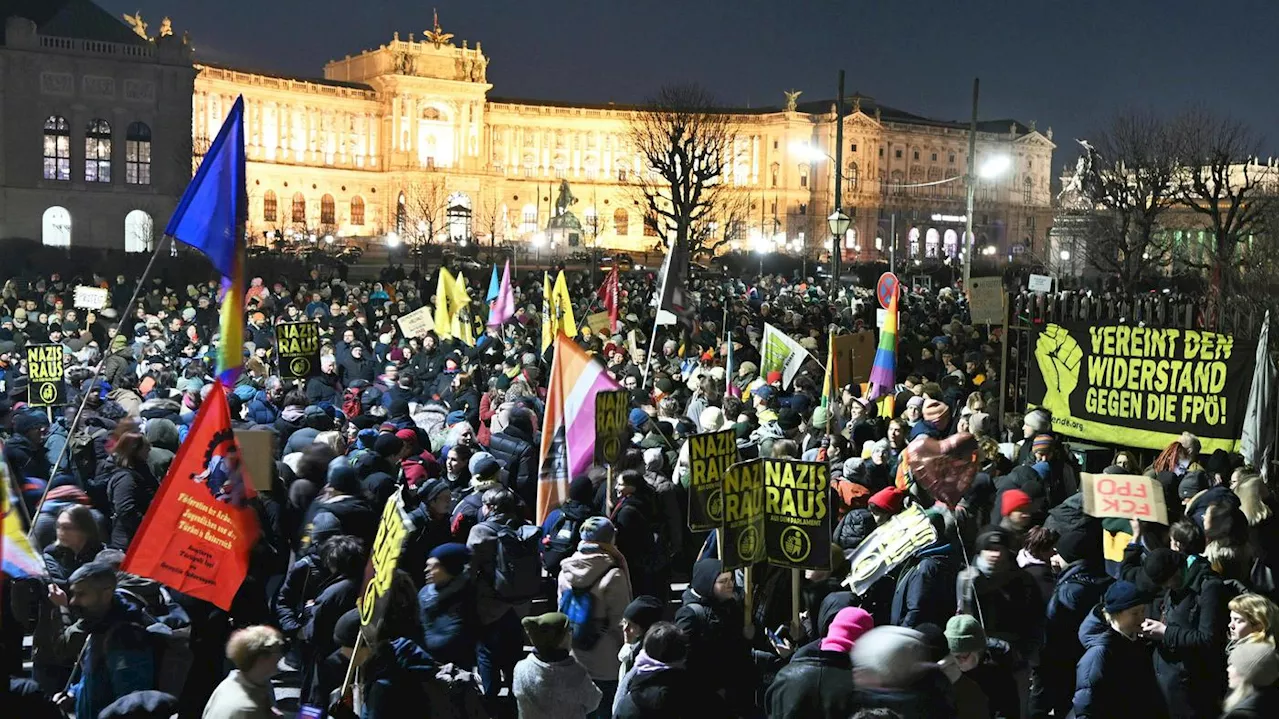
pixel 246 693
pixel 550 683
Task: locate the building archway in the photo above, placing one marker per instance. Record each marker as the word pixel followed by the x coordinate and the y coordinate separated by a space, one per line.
pixel 55 228
pixel 138 231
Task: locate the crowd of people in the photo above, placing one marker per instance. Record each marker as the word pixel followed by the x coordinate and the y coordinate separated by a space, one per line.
pixel 1024 606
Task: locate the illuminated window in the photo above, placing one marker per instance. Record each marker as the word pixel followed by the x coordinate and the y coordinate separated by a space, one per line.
pixel 269 207
pixel 328 215
pixel 56 227
pixel 1026 191
pixel 357 210
pixel 299 208
pixel 528 219
pixel 97 151
pixel 57 148
pixel 137 232
pixel 137 154
pixel 620 221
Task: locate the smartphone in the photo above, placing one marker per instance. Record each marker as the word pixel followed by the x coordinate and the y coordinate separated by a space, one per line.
pixel 307 711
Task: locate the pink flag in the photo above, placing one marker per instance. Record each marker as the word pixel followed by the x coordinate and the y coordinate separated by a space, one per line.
pixel 504 308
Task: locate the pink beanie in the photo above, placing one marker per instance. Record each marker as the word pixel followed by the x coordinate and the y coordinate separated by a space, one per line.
pixel 849 624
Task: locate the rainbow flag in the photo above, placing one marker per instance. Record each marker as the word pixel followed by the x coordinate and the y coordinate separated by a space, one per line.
pixel 16 555
pixel 569 423
pixel 884 368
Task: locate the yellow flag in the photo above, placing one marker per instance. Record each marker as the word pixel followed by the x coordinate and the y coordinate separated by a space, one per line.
pixel 451 300
pixel 564 306
pixel 548 314
pixel 443 317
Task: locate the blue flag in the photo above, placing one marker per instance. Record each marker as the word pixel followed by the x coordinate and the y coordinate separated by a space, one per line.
pixel 495 287
pixel 209 214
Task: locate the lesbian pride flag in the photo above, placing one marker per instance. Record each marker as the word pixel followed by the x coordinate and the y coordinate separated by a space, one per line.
pixel 569 423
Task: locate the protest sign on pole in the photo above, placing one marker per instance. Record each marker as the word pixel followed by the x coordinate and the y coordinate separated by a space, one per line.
pixel 1123 496
pixel 90 298
pixel 45 387
pixel 797 513
pixel 418 322
pixel 742 525
pixel 887 546
pixel 611 425
pixel 298 345
pixel 388 543
pixel 986 300
pixel 598 322
pixel 711 454
pixel 780 353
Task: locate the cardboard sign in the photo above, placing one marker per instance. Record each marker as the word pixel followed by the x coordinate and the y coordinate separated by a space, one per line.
pixel 46 387
pixel 797 513
pixel 417 323
pixel 90 298
pixel 1040 283
pixel 257 456
pixel 986 300
pixel 887 546
pixel 711 454
pixel 742 526
pixel 388 543
pixel 598 322
pixel 298 344
pixel 1123 496
pixel 611 425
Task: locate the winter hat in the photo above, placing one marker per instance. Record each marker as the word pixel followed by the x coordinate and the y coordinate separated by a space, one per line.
pixel 916 401
pixel 850 624
pixel 1013 500
pixel 980 423
pixel 644 611
pixel 711 419
pixel 342 477
pixel 347 628
pixel 147 704
pixel 1192 483
pixel 936 413
pixel 546 632
pixel 582 490
pixel 994 539
pixel 788 419
pixel 664 385
pixel 1123 595
pixel 1255 663
pixel 1042 442
pixel 774 376
pixel 483 466
pixel 763 391
pixel 432 489
pixel 388 445
pixel 748 368
pixel 820 418
pixel 453 557
pixel 637 417
pixel 26 421
pixel 965 635
pixel 1080 543
pixel 705 573
pixel 1038 420
pixel 596 529
pixel 891 657
pixel 888 500
pixel 1162 564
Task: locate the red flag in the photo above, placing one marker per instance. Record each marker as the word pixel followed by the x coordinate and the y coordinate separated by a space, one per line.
pixel 199 529
pixel 609 296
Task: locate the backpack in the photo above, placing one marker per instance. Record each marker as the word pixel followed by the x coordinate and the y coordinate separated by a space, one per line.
pixel 517 564
pixel 351 402
pixel 83 454
pixel 560 542
pixel 577 604
pixel 170 638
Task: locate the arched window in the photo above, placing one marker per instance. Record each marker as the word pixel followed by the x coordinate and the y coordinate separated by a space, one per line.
pixel 931 238
pixel 357 210
pixel 913 241
pixel 528 219
pixel 950 243
pixel 137 231
pixel 57 148
pixel 851 175
pixel 458 217
pixel 1026 190
pixel 400 213
pixel 299 208
pixel 137 154
pixel 327 214
pixel 269 207
pixel 97 151
pixel 851 239
pixel 56 227
pixel 620 222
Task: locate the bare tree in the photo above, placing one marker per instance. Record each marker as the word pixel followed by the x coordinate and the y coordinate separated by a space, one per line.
pixel 1129 184
pixel 488 220
pixel 685 143
pixel 1221 182
pixel 424 209
pixel 731 212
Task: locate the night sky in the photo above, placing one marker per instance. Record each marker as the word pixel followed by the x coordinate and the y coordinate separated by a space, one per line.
pixel 1066 65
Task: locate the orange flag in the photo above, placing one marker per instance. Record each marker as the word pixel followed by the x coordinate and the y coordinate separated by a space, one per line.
pixel 199 529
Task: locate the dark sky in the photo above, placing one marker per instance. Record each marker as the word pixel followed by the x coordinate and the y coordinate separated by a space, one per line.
pixel 1070 65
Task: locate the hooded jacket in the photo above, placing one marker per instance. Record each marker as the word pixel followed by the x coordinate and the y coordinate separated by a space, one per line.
pixel 653 690
pixel 163 436
pixel 514 448
pixel 925 592
pixel 1190 659
pixel 719 654
pixel 595 571
pixel 449 621
pixel 1114 678
pixel 815 683
pixel 131 491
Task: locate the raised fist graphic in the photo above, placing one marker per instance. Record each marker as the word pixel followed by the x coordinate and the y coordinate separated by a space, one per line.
pixel 1058 355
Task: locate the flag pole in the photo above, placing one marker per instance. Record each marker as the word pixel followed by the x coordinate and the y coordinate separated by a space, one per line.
pixel 97 373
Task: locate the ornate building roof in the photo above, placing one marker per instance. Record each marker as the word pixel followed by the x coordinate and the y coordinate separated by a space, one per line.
pixel 78 19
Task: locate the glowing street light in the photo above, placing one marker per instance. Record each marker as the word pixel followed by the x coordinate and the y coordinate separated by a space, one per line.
pixel 994 166
pixel 393 239
pixel 328 239
pixel 1065 255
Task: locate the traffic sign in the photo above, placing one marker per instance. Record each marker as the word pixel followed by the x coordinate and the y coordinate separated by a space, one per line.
pixel 886 288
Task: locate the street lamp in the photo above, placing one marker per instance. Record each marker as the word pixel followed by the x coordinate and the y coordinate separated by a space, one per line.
pixel 393 239
pixel 1065 255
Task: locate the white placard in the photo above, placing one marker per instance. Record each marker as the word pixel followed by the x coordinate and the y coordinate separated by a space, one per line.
pixel 1040 283
pixel 90 298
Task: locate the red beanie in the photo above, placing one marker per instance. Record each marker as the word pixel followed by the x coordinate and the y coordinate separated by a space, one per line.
pixel 888 500
pixel 1013 500
pixel 774 376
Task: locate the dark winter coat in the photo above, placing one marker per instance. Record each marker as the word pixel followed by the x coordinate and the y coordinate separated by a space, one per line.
pixel 260 410
pixel 60 561
pixel 925 592
pixel 1079 589
pixel 514 449
pixel 634 538
pixel 130 491
pixel 1262 704
pixel 351 369
pixel 1190 660
pixel 854 527
pixel 450 623
pixel 669 694
pixel 340 514
pixel 324 388
pixel 337 599
pixel 815 683
pixel 1114 678
pixel 25 458
pixel 719 654
pixel 931 696
pixel 1010 602
pixel 303 582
